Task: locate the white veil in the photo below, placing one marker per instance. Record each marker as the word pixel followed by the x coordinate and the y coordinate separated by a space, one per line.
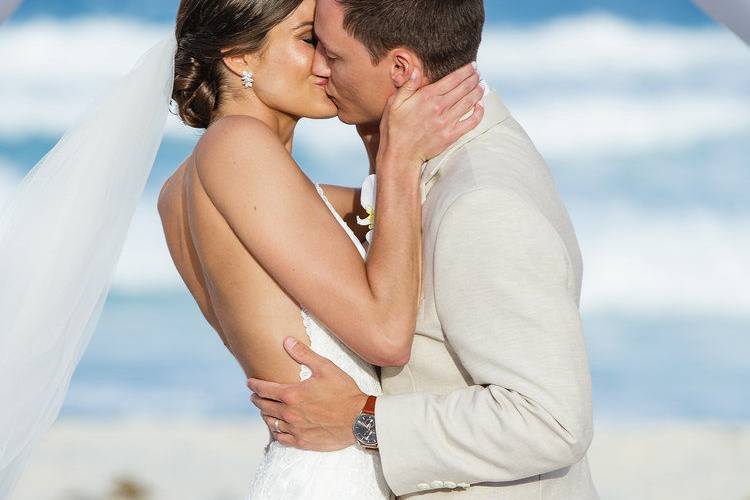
pixel 61 235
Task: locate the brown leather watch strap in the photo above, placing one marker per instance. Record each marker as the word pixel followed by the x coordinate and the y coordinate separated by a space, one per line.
pixel 369 405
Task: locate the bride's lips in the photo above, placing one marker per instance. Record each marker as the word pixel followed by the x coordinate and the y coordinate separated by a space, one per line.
pixel 321 82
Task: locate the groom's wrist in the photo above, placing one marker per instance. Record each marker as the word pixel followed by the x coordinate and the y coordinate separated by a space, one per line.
pixel 363 427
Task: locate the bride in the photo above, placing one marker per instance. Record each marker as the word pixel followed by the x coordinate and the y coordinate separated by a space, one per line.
pixel 264 251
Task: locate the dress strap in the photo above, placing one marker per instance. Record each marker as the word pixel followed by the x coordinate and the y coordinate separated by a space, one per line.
pixel 341 221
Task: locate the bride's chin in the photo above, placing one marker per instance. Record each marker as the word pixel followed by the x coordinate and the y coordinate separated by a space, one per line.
pixel 323 109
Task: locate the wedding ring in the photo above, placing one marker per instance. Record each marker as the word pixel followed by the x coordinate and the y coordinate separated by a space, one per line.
pixel 276 424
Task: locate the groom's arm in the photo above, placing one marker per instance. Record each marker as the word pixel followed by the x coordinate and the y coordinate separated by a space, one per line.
pixel 504 298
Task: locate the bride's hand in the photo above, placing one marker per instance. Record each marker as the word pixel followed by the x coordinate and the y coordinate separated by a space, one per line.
pixel 420 123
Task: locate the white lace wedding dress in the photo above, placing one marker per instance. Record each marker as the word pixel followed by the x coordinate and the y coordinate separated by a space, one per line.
pixel 287 473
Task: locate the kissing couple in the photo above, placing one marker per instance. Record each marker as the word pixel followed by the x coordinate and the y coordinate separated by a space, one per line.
pixel 416 338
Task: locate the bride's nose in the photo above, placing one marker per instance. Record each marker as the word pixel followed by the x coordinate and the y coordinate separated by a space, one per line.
pixel 320 64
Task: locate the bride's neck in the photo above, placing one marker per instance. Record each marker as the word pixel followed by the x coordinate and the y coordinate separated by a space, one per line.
pixel 280 123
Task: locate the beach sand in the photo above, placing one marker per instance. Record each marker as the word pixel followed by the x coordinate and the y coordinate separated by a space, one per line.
pixel 215 460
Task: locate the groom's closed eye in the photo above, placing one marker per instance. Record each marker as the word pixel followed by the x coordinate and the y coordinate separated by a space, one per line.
pixel 326 52
pixel 329 55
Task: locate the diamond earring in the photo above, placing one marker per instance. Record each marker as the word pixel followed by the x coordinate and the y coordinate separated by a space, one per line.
pixel 247 79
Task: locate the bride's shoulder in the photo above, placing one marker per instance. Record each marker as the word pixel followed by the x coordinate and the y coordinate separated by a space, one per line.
pixel 240 151
pixel 238 137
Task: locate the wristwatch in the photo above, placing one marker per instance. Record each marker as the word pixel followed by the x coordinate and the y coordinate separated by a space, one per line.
pixel 364 426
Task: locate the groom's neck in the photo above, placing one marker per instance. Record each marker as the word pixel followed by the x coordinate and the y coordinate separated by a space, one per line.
pixel 370 134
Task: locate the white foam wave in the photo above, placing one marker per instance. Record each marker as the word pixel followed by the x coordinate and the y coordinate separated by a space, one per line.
pixel 56 69
pixel 601 125
pixel 604 48
pixel 684 263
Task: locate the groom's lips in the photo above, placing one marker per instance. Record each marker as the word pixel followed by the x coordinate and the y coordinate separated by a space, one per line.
pixel 322 82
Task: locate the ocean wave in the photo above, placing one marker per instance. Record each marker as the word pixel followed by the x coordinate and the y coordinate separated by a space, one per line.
pixel 586 87
pixel 678 263
pixel 591 85
pixel 610 50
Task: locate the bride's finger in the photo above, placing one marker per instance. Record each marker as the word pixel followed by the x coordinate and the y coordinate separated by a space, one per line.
pixel 469 124
pixel 408 89
pixel 463 89
pixel 465 105
pixel 271 423
pixel 286 439
pixel 451 81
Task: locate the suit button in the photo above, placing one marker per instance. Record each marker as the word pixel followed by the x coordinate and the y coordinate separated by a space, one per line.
pixel 450 484
pixel 423 486
pixel 437 484
pixel 463 485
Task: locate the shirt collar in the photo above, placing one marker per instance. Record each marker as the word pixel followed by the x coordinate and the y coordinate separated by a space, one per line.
pixel 494 112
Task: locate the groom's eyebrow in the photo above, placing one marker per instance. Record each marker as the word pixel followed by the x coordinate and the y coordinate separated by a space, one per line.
pixel 323 43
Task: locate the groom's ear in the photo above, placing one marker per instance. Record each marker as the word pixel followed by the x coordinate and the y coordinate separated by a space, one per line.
pixel 403 63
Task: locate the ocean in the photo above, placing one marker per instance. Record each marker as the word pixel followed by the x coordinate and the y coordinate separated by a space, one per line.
pixel 642 110
pixel 498 11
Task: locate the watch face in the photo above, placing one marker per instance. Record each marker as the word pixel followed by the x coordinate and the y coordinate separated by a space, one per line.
pixel 364 429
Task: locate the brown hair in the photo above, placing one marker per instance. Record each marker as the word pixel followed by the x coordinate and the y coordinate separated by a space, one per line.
pixel 203 29
pixel 445 34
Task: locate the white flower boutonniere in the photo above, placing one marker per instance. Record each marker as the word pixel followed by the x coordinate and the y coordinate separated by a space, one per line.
pixel 367 199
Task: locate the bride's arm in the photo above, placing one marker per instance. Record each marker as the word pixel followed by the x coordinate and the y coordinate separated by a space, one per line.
pixel 276 213
pixel 278 216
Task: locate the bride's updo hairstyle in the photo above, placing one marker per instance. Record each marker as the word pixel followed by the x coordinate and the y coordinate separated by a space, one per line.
pixel 205 28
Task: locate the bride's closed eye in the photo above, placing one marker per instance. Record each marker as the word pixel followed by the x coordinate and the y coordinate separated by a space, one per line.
pixel 311 39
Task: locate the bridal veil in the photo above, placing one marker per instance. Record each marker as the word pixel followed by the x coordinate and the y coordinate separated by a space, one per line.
pixel 61 235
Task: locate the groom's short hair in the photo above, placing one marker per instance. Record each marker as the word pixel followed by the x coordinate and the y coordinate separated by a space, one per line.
pixel 445 34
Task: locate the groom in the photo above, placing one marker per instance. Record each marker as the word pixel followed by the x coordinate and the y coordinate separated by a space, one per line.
pixel 495 401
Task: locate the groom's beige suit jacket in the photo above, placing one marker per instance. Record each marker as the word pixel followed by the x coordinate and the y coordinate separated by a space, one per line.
pixel 495 402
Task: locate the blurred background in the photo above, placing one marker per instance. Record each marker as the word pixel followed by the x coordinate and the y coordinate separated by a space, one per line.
pixel 642 110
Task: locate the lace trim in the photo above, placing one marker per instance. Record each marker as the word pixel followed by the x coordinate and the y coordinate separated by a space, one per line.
pixel 305 372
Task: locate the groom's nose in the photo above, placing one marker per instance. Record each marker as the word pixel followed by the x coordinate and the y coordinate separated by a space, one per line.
pixel 320 64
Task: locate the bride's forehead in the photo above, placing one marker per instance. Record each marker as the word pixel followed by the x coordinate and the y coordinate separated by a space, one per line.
pixel 305 11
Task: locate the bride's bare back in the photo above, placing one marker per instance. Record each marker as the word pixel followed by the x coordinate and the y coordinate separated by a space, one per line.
pixel 242 302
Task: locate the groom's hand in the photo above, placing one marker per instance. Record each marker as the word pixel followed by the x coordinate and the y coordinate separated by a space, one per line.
pixel 315 414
